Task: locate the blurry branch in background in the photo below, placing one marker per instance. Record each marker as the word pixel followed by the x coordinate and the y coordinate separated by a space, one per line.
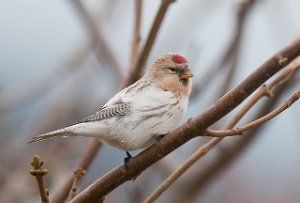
pixel 103 51
pixel 263 91
pixel 90 152
pixel 40 84
pixel 244 9
pixel 137 32
pixel 200 180
pixel 39 173
pixel 135 71
pixel 229 59
pixel 195 126
pixel 78 174
pixel 133 75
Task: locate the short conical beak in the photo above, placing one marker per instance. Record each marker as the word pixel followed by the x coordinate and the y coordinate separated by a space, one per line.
pixel 186 75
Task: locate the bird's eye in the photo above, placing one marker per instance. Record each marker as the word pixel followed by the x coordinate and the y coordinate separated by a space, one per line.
pixel 173 69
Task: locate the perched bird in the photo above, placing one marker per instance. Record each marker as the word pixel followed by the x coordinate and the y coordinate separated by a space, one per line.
pixel 142 113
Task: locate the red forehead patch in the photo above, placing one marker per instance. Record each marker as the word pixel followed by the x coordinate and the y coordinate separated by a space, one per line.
pixel 179 59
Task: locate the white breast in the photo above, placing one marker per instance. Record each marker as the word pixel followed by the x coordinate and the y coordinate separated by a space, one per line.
pixel 153 112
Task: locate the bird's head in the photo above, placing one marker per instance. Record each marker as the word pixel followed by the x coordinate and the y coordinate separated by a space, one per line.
pixel 172 73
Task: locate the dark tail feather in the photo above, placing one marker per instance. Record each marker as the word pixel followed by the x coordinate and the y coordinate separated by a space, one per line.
pixel 60 132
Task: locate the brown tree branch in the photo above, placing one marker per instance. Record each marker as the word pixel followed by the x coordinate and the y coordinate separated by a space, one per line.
pixel 264 90
pixel 292 67
pixel 199 181
pixel 190 129
pixel 137 32
pixel 226 157
pixel 39 173
pixel 135 72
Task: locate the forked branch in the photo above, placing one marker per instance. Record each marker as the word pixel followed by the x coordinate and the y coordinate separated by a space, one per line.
pixel 240 130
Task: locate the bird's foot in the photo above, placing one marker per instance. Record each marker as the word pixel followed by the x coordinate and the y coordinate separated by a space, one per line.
pixel 126 159
pixel 157 139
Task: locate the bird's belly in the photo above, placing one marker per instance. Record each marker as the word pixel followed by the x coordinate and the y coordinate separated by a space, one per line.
pixel 134 133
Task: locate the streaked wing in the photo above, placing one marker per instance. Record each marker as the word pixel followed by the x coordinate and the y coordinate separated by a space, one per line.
pixel 118 108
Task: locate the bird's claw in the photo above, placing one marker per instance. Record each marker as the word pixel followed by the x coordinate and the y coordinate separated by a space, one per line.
pixel 126 160
pixel 157 139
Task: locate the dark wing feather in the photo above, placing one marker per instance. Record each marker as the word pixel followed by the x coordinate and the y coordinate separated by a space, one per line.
pixel 119 108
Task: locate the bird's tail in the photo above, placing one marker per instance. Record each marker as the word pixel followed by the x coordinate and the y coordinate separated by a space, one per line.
pixel 61 132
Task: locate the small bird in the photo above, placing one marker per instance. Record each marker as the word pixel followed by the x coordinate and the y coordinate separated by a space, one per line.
pixel 142 113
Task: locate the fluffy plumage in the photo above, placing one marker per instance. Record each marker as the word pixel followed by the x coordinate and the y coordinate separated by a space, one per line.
pixel 139 114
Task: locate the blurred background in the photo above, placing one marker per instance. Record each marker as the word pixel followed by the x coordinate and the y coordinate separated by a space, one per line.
pixel 58 67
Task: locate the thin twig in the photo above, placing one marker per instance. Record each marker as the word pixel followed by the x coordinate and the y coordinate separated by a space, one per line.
pixel 137 32
pixel 291 68
pixel 264 90
pixel 39 173
pixel 240 130
pixel 188 130
pixel 135 72
pixel 78 174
